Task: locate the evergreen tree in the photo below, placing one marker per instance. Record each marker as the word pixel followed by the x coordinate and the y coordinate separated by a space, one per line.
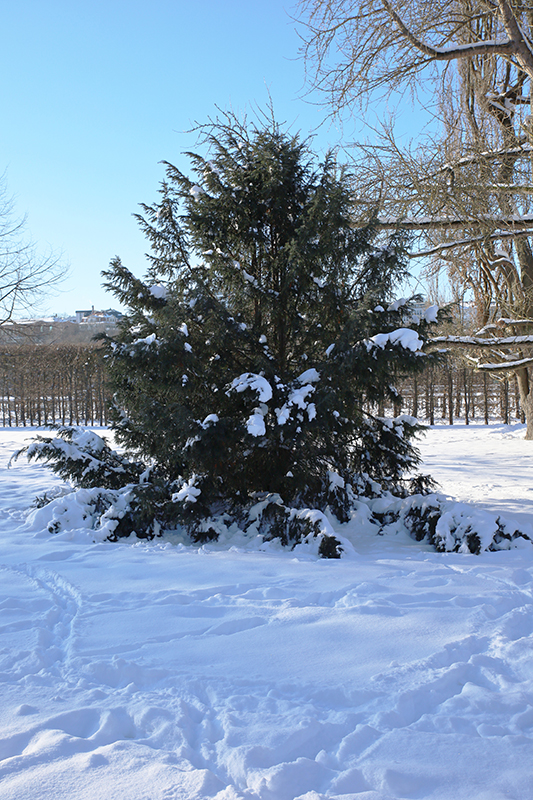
pixel 259 342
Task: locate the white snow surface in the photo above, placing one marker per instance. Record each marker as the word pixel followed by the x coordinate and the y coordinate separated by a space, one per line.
pixel 159 291
pixel 159 671
pixel 406 337
pixel 257 383
pixel 430 314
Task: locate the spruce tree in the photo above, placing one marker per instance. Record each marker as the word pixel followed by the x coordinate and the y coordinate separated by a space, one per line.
pixel 259 344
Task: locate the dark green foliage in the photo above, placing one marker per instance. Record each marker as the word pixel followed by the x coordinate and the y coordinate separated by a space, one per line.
pixel 421 520
pixel 44 499
pixel 272 520
pixel 421 484
pixel 246 364
pixel 503 537
pixel 83 457
pixel 330 547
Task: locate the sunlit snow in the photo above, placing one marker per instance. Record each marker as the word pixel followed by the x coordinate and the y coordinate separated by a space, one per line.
pixel 249 380
pixel 159 291
pixel 406 337
pixel 160 671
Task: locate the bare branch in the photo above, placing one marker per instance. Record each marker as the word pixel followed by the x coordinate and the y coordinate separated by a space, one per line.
pixel 352 47
pixel 478 341
pixel 466 193
pixel 470 50
pixel 24 275
pixel 436 224
pixel 506 367
pixel 442 247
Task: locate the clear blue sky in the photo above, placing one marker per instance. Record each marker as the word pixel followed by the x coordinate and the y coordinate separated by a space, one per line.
pixel 95 94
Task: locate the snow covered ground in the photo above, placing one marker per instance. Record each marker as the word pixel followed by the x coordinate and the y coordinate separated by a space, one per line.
pixel 154 671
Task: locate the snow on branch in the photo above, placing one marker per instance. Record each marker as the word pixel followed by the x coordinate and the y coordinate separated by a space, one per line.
pixel 249 380
pixel 506 365
pixel 521 47
pixel 405 337
pixel 508 321
pixel 513 222
pixel 468 241
pixel 492 47
pixel 485 155
pixel 478 341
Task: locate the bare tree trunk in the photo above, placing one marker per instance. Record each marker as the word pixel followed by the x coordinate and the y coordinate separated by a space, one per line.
pixel 526 399
pixel 450 395
pixel 430 399
pixel 458 401
pixel 467 397
pixel 505 401
pixel 415 397
pixel 485 398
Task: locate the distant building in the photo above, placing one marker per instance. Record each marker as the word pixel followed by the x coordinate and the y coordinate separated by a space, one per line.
pixel 79 329
pixel 81 315
pixel 92 317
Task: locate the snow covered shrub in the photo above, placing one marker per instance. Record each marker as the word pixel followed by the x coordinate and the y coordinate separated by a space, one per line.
pixel 255 352
pixel 421 517
pixel 83 457
pixel 456 527
pixel 92 509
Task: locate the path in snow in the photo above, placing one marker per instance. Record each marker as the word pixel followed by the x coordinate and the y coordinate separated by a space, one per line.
pixel 145 671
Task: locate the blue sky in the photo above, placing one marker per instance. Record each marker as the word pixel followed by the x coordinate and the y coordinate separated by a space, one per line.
pixel 95 94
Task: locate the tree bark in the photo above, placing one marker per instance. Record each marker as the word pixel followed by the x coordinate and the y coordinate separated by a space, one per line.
pixel 526 399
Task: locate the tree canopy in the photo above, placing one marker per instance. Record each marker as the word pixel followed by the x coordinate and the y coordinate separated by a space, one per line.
pixel 256 351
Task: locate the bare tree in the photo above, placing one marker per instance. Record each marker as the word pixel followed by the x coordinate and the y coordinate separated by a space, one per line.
pixel 480 54
pixel 353 47
pixel 467 195
pixel 24 274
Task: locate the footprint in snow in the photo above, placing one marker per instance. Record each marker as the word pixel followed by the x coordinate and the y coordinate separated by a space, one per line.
pixel 38 610
pixel 237 626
